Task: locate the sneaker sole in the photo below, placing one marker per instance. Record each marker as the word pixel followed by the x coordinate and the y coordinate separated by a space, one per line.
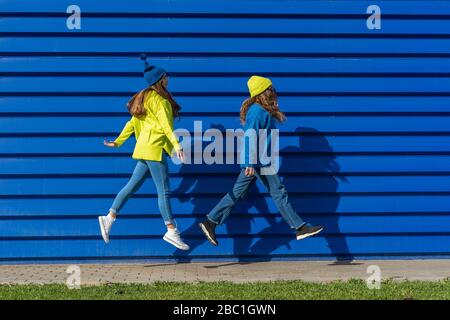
pixel 206 233
pixel 175 244
pixel 102 230
pixel 306 235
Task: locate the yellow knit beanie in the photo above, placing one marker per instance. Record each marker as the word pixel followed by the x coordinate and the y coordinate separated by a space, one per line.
pixel 257 85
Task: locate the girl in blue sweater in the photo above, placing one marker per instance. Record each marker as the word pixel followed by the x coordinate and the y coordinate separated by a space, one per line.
pixel 259 112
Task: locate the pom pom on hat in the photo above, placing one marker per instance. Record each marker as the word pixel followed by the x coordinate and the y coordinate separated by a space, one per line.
pixel 152 74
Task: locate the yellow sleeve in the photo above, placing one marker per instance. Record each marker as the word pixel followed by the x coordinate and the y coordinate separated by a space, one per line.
pixel 165 118
pixel 127 131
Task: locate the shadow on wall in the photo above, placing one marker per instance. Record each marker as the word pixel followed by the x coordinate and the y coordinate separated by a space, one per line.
pixel 239 223
pixel 323 165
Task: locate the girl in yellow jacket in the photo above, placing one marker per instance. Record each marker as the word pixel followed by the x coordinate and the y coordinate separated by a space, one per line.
pixel 152 112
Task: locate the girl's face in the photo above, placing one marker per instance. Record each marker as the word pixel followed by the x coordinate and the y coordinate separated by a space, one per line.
pixel 273 92
pixel 165 81
pixel 268 98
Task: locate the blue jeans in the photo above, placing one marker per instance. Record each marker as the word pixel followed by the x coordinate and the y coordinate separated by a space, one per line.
pixel 240 190
pixel 159 172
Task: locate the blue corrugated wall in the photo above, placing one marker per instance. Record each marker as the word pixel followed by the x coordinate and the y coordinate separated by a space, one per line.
pixel 365 150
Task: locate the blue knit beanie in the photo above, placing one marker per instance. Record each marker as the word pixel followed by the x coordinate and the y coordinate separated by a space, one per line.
pixel 152 74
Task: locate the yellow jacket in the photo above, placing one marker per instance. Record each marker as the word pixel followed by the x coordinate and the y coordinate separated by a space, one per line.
pixel 153 132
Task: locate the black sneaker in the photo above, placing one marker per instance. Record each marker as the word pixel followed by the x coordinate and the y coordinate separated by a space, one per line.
pixel 209 229
pixel 306 231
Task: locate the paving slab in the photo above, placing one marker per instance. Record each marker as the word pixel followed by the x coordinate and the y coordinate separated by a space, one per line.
pixel 311 271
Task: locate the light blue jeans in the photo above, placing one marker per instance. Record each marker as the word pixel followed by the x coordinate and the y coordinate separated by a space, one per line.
pixel 240 190
pixel 160 174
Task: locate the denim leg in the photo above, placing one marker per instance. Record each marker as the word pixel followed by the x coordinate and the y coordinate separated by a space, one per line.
pixel 240 190
pixel 280 196
pixel 160 175
pixel 138 177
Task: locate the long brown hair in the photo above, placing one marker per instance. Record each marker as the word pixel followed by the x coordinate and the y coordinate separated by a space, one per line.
pixel 268 100
pixel 136 104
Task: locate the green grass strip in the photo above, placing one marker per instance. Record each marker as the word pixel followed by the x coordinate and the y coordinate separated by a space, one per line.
pixel 284 290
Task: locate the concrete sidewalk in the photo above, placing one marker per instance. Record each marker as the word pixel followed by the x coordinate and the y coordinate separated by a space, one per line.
pixel 317 271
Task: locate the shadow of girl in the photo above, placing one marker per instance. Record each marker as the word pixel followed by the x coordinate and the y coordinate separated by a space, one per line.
pixel 314 156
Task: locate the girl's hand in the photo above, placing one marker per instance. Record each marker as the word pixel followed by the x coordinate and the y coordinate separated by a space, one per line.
pixel 110 144
pixel 249 171
pixel 180 155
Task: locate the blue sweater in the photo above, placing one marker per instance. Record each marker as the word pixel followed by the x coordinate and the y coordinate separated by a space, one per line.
pixel 257 118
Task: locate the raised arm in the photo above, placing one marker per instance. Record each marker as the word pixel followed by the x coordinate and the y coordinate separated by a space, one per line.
pixel 127 131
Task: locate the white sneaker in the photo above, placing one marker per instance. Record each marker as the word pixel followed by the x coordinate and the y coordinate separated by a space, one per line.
pixel 105 223
pixel 172 236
